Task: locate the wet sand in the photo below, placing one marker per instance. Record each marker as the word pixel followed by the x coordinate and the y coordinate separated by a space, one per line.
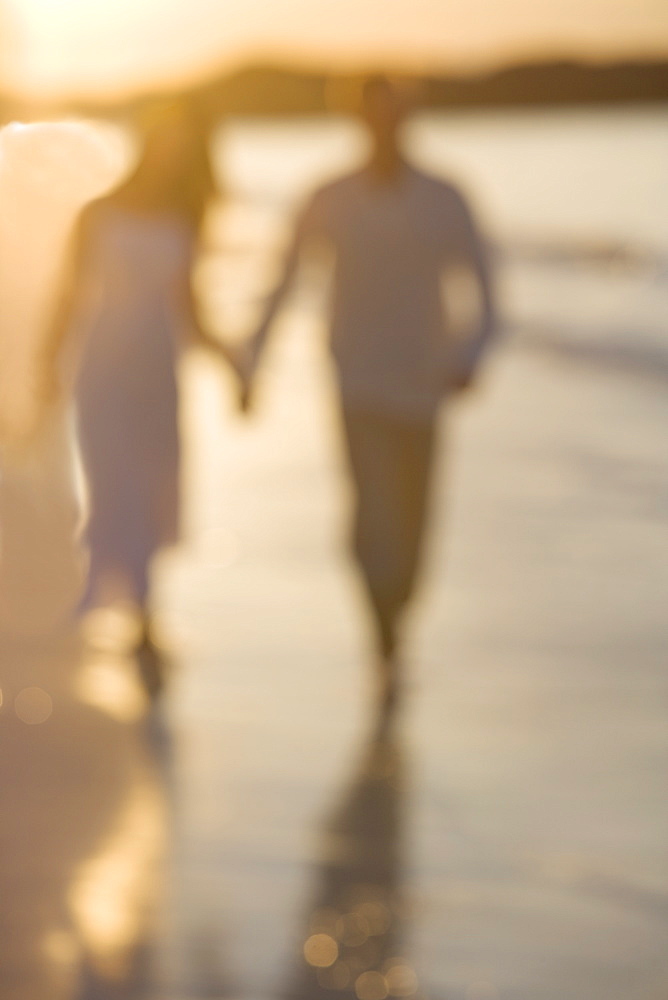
pixel 507 840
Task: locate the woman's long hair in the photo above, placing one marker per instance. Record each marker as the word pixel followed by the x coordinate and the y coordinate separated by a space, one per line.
pixel 178 128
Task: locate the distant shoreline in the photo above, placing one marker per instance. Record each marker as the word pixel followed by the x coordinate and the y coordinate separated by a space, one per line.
pixel 278 90
pixel 275 90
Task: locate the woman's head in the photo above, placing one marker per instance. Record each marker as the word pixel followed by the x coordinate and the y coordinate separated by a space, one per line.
pixel 174 172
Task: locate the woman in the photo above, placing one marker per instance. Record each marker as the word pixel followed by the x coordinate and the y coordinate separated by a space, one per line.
pixel 48 172
pixel 128 317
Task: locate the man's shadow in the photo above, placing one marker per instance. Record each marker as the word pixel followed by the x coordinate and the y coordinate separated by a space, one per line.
pixel 353 931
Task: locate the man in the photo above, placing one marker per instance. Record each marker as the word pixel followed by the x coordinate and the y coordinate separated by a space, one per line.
pixel 393 232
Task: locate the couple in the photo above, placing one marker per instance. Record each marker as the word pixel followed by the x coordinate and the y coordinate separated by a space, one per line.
pixel 391 232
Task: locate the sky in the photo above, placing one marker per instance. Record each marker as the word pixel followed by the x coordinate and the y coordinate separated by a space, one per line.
pixel 111 46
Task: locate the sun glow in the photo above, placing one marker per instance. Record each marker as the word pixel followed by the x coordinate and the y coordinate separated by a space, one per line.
pixel 106 47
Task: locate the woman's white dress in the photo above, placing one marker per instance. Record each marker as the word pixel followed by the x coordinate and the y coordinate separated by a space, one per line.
pixel 130 326
pixel 48 172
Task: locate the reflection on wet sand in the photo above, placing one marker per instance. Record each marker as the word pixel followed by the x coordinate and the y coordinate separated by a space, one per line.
pixel 538 815
pixel 84 826
pixel 353 935
pixel 113 891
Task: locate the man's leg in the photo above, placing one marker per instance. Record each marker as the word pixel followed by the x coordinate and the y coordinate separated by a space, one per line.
pixel 390 461
pixel 415 459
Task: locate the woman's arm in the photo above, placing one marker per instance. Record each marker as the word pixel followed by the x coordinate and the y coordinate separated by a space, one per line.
pixel 48 374
pixel 198 333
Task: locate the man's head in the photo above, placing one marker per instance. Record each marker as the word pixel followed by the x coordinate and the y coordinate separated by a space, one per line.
pixel 384 106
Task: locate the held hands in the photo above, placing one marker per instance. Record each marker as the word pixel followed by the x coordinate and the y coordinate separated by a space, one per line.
pixel 461 383
pixel 460 372
pixel 242 360
pixel 457 382
pixel 245 364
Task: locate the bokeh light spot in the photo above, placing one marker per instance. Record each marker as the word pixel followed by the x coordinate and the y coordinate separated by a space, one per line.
pixel 401 980
pixel 321 951
pixel 371 986
pixel 33 705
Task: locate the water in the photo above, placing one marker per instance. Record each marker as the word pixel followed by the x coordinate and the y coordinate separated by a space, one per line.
pixel 575 204
pixel 516 827
pixel 575 201
pixel 583 172
pixel 530 819
pixel 528 828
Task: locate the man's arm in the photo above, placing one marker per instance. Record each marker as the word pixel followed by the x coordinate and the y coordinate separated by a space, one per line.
pixel 472 251
pixel 306 228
